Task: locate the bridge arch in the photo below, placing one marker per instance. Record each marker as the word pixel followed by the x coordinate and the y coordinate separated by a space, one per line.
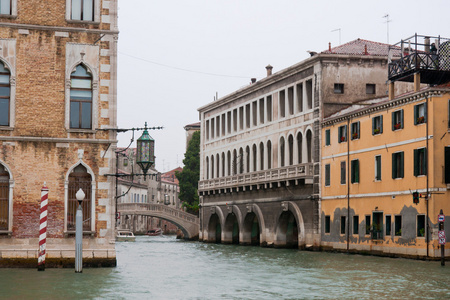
pixel 289 226
pixel 253 226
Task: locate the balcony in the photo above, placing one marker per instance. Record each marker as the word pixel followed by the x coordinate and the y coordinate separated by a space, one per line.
pixel 297 172
pixel 418 55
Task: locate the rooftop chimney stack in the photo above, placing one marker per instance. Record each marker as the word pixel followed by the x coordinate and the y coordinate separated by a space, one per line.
pixel 329 47
pixel 253 80
pixel 269 70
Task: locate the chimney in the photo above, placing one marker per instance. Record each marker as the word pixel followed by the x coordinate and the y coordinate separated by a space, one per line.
pixel 329 47
pixel 253 80
pixel 365 50
pixel 269 70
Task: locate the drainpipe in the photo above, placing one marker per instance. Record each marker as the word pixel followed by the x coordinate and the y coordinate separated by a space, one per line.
pixel 427 234
pixel 348 184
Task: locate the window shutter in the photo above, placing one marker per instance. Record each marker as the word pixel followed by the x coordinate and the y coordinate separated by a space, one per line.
pixel 394 166
pixel 447 165
pixel 357 170
pixel 425 112
pixel 345 132
pixel 416 162
pixel 401 119
pixel 327 137
pixel 378 160
pixel 416 114
pixel 373 126
pixel 357 130
pixel 401 164
pixel 393 120
pixel 339 134
pixel 381 124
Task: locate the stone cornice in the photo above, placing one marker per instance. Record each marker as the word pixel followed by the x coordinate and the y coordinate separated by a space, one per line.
pixel 54 140
pixel 385 105
pixel 56 28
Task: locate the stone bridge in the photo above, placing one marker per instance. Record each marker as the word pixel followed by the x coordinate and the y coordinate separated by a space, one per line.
pixel 188 223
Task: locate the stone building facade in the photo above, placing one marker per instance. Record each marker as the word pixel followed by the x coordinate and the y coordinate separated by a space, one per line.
pixel 260 146
pixel 58 61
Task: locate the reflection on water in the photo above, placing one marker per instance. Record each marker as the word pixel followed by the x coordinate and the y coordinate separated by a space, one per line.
pixel 165 268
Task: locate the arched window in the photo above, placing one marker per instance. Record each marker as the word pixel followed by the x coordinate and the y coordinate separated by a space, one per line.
pixel 291 149
pixel 235 165
pixel 254 154
pixel 282 149
pixel 261 156
pixel 207 167
pixel 309 145
pixel 247 158
pixel 229 163
pixel 79 178
pixel 299 147
pixel 4 198
pixel 5 92
pixel 223 164
pixel 218 165
pixel 269 155
pixel 241 161
pixel 212 166
pixel 81 98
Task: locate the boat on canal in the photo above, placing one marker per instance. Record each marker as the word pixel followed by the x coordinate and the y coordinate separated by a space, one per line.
pixel 125 236
pixel 154 232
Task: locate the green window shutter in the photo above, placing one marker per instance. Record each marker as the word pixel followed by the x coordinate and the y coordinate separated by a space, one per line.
pixel 345 132
pixel 378 160
pixel 393 120
pixel 381 124
pixel 327 137
pixel 416 114
pixel 401 118
pixel 358 129
pixel 327 175
pixel 401 164
pixel 394 165
pixel 425 112
pixel 357 171
pixel 416 162
pixel 373 126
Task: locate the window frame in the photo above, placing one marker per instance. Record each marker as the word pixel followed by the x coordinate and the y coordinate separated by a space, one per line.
pixel 388 225
pixel 81 101
pixel 338 88
pixel 371 86
pixel 418 117
pixel 398 165
pixel 354 178
pixel 377 168
pixel 397 120
pixel 423 227
pixel 343 167
pixel 367 224
pixel 398 225
pixel 327 175
pixel 355 130
pixel 327 225
pixel 12 10
pixel 377 128
pixel 327 137
pixel 95 13
pixel 8 98
pixel 342 134
pixel 420 162
pixel 343 224
pixel 355 224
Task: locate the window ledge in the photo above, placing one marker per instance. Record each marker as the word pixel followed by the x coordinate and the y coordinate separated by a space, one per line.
pixel 6 128
pixel 73 130
pixel 8 16
pixel 82 22
pixel 72 233
pixel 5 232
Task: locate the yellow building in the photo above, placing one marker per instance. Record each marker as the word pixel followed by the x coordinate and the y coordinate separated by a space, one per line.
pixel 374 157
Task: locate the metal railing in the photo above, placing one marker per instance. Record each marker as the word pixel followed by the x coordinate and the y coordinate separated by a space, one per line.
pixel 285 173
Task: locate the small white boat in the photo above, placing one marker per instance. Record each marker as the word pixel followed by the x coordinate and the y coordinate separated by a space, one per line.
pixel 125 236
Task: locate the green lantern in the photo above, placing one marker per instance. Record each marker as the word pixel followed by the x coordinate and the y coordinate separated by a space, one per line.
pixel 145 157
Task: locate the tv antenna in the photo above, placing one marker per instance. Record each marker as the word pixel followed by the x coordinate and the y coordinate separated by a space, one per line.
pixel 387 25
pixel 339 34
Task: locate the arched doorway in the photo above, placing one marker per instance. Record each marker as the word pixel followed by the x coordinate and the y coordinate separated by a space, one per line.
pixel 231 229
pixel 251 230
pixel 79 178
pixel 287 231
pixel 214 229
pixel 4 198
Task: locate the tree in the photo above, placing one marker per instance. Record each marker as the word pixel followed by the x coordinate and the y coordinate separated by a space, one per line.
pixel 189 177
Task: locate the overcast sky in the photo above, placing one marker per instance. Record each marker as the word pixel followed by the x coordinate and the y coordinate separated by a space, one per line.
pixel 174 56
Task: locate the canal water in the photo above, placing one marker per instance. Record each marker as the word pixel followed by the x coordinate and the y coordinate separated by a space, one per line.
pixel 166 268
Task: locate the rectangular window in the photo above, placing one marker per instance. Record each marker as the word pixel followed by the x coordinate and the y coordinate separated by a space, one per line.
pixel 377 226
pixel 282 103
pixel 223 124
pixel 398 225
pixel 397 120
pixel 218 126
pixel 235 120
pixel 420 162
pixel 388 226
pixel 269 108
pixel 83 10
pixel 377 125
pixel 343 219
pixel 419 114
pixel 212 128
pixel 247 116
pixel 355 130
pixel 229 121
pixel 327 137
pixel 338 88
pixel 378 167
pixel 327 224
pixel 207 129
pixel 447 165
pixel 300 97
pixel 421 225
pixel 342 134
pixel 355 224
pixel 397 165
pixel 4 112
pixel 355 171
pixel 327 175
pixel 5 7
pixel 291 100
pixel 241 118
pixel 367 224
pixel 370 89
pixel 255 113
pixel 309 94
pixel 343 171
pixel 261 111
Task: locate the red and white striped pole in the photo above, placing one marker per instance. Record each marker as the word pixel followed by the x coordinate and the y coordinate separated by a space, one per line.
pixel 43 228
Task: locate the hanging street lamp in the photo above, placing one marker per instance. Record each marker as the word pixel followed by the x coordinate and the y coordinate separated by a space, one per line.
pixel 145 157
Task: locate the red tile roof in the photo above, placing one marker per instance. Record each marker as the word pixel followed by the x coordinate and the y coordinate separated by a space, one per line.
pixel 362 47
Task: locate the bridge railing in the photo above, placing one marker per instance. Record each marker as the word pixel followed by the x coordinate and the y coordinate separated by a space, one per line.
pixel 123 207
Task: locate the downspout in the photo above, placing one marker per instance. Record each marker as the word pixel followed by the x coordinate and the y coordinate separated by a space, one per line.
pixel 348 184
pixel 427 170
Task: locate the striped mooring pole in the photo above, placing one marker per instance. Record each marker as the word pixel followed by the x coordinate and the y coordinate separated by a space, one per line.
pixel 43 228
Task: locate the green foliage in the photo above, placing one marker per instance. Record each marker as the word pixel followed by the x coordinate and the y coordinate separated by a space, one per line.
pixel 190 175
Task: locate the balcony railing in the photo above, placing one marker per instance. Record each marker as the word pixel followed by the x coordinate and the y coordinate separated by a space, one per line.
pixel 303 171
